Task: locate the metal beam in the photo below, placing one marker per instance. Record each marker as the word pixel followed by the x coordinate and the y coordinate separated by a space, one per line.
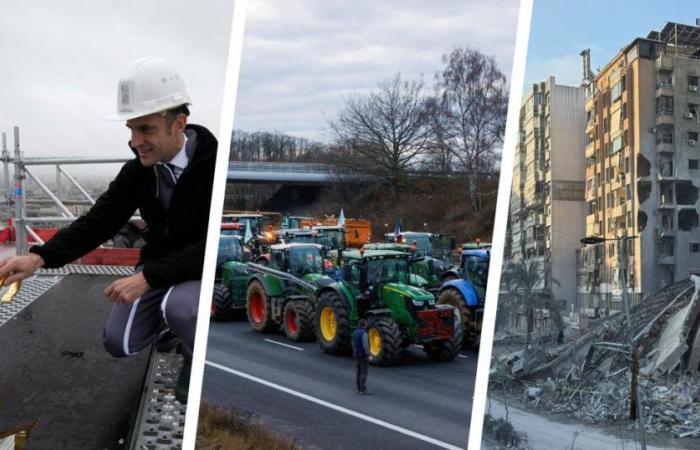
pixel 75 183
pixel 48 192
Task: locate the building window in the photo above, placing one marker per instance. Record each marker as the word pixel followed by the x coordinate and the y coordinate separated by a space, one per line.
pixel 694 247
pixel 616 92
pixel 617 145
pixel 692 137
pixel 693 164
pixel 693 83
pixel 664 104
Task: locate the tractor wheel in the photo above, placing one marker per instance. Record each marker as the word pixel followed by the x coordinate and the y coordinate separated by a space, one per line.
pixel 332 324
pixel 259 309
pixel 299 321
pixel 385 341
pixel 221 303
pixel 446 350
pixel 454 298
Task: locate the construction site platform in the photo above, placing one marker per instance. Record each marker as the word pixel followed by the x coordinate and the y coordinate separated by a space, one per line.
pixel 56 375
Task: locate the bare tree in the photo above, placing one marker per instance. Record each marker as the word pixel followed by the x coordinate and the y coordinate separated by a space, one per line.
pixel 273 147
pixel 439 157
pixel 474 96
pixel 385 131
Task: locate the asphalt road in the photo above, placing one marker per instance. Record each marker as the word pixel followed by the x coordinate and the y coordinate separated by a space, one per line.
pixel 310 397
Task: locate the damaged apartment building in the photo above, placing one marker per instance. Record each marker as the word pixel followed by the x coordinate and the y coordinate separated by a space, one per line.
pixel 642 168
pixel 547 208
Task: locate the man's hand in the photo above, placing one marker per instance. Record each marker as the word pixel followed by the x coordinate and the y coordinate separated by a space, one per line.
pixel 127 290
pixel 18 268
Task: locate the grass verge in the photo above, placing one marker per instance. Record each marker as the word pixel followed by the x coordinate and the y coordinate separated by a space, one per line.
pixel 221 428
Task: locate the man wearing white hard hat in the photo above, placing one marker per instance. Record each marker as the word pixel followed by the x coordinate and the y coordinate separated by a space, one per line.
pixel 169 182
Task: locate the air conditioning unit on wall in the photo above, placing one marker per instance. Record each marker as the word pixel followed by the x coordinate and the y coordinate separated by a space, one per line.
pixel 691 142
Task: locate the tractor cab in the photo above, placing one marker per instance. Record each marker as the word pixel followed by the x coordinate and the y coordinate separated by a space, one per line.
pixel 294 222
pixel 434 245
pixel 331 237
pixel 430 269
pixel 297 259
pixel 230 249
pixel 256 222
pixel 382 278
pixel 475 269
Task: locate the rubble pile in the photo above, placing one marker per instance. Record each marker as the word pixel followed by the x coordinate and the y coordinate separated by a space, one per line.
pixel 589 377
pixel 673 407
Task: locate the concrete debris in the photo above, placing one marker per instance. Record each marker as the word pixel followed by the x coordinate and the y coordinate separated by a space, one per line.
pixel 671 344
pixel 588 376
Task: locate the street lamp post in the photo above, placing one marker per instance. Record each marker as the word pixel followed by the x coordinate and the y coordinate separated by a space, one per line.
pixel 635 400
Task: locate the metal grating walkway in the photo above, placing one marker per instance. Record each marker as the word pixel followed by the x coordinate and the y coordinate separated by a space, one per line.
pixel 32 289
pixel 161 418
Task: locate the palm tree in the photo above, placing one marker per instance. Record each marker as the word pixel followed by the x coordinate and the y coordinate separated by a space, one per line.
pixel 523 279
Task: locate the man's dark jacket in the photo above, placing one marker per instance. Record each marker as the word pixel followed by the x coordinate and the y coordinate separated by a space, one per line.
pixel 175 238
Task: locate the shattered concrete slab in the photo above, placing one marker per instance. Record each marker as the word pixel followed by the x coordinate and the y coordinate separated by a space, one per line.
pixel 672 343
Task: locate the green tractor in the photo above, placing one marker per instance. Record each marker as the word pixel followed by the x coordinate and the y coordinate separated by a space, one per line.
pixel 376 286
pixel 281 292
pixel 230 279
pixel 427 272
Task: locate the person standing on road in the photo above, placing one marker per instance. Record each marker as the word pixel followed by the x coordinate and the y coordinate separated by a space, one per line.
pixel 170 183
pixel 360 351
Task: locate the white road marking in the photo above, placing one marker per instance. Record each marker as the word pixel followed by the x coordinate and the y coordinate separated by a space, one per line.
pixel 459 355
pixel 284 345
pixel 341 409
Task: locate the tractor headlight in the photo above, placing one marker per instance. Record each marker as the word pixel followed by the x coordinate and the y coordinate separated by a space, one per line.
pixel 431 302
pixel 417 302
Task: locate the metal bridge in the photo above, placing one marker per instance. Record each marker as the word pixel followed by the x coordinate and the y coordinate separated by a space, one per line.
pixel 290 173
pixel 309 173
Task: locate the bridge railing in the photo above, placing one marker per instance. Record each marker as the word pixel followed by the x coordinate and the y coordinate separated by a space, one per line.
pixel 257 166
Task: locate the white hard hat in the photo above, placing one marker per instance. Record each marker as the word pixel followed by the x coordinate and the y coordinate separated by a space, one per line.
pixel 150 85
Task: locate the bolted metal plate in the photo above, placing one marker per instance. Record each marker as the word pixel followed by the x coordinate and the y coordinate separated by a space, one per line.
pixel 161 419
pixel 32 288
pixel 88 269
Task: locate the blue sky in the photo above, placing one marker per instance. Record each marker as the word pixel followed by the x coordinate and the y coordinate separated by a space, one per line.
pixel 560 30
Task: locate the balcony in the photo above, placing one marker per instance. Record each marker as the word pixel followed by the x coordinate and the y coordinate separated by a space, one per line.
pixel 619 211
pixel 664 118
pixel 667 260
pixel 664 88
pixel 664 147
pixel 590 126
pixel 590 150
pixel 664 63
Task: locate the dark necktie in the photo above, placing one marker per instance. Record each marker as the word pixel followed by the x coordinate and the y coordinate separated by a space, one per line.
pixel 167 175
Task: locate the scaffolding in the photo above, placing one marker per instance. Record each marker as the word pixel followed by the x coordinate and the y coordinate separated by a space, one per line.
pixel 16 198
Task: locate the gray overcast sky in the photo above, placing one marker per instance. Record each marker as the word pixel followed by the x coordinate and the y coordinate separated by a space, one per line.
pixel 301 59
pixel 61 62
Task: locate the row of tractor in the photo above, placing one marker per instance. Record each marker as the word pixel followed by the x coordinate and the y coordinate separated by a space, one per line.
pixel 307 283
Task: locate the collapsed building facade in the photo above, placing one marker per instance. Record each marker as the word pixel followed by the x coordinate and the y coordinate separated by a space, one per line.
pixel 642 173
pixel 590 376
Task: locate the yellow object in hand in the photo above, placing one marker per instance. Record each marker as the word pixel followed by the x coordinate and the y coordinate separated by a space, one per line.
pixel 11 291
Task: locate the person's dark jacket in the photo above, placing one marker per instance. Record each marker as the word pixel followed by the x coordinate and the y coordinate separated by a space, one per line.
pixel 175 238
pixel 360 343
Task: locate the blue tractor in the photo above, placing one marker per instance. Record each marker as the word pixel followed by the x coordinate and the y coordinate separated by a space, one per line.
pixel 466 291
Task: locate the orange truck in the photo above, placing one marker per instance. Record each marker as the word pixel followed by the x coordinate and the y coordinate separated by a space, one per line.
pixel 358 232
